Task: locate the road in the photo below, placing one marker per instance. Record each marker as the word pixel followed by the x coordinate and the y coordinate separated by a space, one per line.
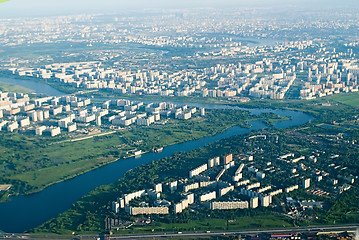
pixel 309 229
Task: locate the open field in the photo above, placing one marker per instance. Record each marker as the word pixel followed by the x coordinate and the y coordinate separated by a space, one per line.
pixel 351 99
pixel 216 224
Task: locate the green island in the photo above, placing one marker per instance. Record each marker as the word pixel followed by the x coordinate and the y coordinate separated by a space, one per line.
pixel 332 135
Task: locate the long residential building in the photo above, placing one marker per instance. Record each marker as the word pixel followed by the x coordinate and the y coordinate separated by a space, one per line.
pixel 229 205
pixel 146 210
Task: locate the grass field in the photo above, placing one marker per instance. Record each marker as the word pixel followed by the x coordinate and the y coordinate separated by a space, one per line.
pixel 210 224
pixel 47 176
pixel 56 162
pixel 73 158
pixel 215 224
pixel 7 87
pixel 351 99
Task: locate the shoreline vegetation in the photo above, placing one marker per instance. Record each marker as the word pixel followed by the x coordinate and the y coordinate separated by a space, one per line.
pixel 32 172
pixel 95 204
pixel 327 110
pixel 86 216
pixel 313 107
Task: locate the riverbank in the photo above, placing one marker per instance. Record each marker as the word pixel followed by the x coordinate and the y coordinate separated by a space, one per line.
pixel 65 162
pixel 83 159
pixel 94 151
pixel 68 159
pixel 299 140
pixel 97 202
pixel 65 193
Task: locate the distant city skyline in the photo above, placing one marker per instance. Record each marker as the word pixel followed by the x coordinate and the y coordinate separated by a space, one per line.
pixel 25 8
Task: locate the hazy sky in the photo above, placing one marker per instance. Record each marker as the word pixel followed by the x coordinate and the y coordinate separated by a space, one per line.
pixel 16 8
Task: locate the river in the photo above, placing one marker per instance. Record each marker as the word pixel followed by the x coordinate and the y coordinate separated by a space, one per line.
pixel 28 211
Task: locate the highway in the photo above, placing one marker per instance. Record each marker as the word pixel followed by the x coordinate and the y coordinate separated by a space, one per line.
pixel 308 229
